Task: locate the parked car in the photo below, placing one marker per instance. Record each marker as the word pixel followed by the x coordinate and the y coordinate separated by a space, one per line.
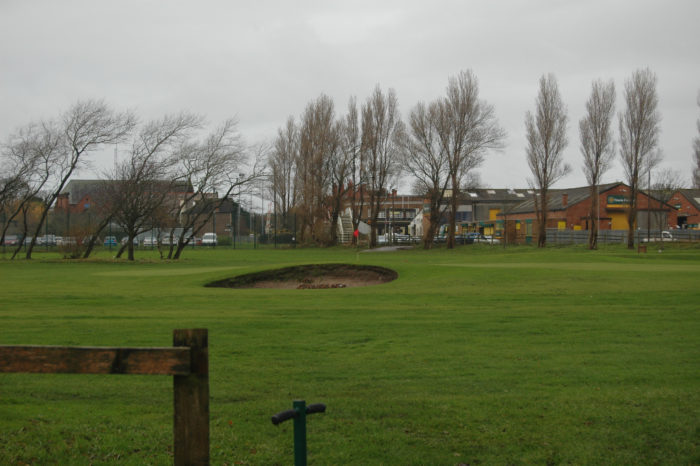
pixel 11 240
pixel 150 241
pixel 46 240
pixel 209 239
pixel 664 236
pixel 110 241
pixel 402 239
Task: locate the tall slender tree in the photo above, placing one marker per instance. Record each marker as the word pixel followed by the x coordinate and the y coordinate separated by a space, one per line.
pixel 597 146
pixel 467 128
pixel 696 153
pixel 382 131
pixel 282 162
pixel 639 137
pixel 546 141
pixel 351 145
pixel 318 142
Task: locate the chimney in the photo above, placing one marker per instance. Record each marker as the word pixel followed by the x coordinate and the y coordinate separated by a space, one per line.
pixel 564 200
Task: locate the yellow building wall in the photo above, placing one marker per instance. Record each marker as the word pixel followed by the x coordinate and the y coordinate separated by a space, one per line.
pixel 493 214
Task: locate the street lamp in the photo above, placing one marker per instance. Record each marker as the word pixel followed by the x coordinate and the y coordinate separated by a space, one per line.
pixel 238 218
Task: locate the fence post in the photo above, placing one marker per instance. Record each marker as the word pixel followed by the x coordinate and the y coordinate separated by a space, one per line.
pixel 191 399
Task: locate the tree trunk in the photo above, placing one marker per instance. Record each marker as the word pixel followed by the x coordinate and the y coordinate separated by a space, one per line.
pixel 542 224
pixel 433 226
pixel 130 248
pixel 44 214
pixel 24 231
pixel 121 251
pixel 593 223
pixel 93 239
pixel 454 201
pixel 632 219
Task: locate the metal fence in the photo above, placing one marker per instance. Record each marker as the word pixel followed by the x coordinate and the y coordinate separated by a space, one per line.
pixel 555 236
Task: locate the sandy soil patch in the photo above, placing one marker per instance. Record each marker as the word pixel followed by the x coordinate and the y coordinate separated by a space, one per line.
pixel 313 276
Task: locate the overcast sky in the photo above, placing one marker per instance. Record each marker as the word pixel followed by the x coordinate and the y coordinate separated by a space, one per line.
pixel 263 61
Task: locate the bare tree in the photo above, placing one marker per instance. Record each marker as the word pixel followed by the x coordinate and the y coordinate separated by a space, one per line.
pixel 318 143
pixel 639 136
pixel 597 146
pixel 104 212
pixel 85 127
pixel 546 138
pixel 468 128
pixel 27 164
pixel 215 165
pixel 340 166
pixel 142 183
pixel 282 162
pixel 696 154
pixel 426 160
pixel 351 145
pixel 382 131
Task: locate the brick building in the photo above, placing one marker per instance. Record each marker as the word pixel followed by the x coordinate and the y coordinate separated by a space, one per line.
pixel 570 209
pixel 687 204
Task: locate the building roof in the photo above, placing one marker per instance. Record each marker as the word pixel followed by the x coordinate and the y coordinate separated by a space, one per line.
pixel 488 195
pixel 78 189
pixel 692 195
pixel 556 198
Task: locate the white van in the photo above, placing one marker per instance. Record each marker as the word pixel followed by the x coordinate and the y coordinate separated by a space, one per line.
pixel 209 239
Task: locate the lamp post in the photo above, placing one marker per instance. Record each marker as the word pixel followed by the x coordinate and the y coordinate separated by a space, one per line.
pixel 238 218
pixel 648 200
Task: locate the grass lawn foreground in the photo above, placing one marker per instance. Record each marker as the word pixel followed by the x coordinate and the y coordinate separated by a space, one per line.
pixel 474 356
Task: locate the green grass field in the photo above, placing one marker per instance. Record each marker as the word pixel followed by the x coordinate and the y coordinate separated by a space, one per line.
pixel 473 356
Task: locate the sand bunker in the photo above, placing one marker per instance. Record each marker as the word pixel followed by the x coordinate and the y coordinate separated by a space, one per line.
pixel 316 276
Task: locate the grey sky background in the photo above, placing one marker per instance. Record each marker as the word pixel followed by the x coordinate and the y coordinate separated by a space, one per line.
pixel 264 61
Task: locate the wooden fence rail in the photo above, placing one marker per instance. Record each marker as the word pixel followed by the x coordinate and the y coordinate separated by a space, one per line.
pixel 187 361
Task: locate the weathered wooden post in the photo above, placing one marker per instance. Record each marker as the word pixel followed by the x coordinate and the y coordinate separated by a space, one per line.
pixel 191 396
pixel 187 361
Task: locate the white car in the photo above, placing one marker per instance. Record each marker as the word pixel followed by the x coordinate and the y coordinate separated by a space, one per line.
pixel 656 237
pixel 209 239
pixel 150 241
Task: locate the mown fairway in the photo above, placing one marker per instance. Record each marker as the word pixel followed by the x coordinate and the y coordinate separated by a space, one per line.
pixel 474 356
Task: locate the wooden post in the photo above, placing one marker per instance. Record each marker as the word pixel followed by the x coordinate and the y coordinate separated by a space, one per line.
pixel 187 362
pixel 191 398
